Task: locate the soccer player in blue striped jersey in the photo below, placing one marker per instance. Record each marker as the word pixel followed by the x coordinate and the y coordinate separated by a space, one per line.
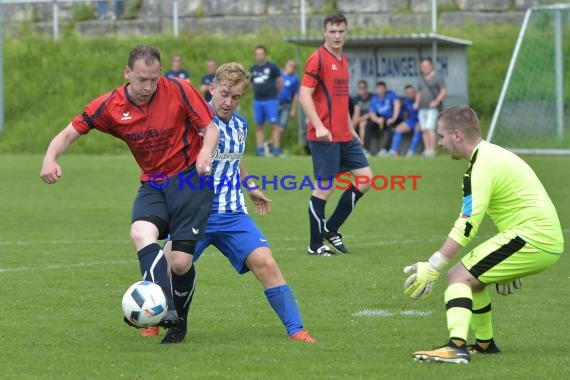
pixel 229 227
pixel 529 238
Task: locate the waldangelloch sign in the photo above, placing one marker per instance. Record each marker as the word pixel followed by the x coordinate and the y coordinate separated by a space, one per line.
pixel 396 60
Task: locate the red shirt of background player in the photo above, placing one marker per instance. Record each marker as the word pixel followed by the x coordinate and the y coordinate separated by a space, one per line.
pixel 330 78
pixel 162 134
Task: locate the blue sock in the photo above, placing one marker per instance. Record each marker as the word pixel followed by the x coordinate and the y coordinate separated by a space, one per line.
pixel 154 268
pixel 276 151
pixel 316 221
pixel 260 151
pixel 345 206
pixel 282 300
pixel 183 287
pixel 396 141
pixel 415 141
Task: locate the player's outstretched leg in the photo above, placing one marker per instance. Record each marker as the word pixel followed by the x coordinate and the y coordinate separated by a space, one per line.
pixel 278 293
pixel 459 303
pixel 153 264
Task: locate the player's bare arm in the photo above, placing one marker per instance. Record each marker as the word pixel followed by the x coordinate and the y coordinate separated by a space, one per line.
pixel 51 171
pixel 352 130
pixel 306 99
pixel 261 202
pixel 279 81
pixel 442 94
pixel 396 112
pixel 204 159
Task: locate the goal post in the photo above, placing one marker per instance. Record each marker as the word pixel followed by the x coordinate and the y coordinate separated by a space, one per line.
pixel 533 110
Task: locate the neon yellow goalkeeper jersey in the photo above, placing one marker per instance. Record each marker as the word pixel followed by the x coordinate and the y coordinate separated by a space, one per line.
pixel 501 184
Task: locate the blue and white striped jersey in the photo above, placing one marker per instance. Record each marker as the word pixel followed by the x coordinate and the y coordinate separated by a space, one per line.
pixel 225 167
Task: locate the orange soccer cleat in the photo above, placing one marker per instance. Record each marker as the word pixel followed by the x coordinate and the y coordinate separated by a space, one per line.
pixel 303 336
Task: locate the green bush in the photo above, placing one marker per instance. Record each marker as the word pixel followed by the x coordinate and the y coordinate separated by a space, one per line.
pixel 48 82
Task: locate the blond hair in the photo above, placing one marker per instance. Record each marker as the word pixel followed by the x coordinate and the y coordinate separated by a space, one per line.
pixel 462 118
pixel 231 74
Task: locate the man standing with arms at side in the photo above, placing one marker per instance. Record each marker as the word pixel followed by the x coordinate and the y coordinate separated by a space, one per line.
pixel 529 238
pixel 429 98
pixel 288 99
pixel 335 146
pixel 267 83
pixel 159 119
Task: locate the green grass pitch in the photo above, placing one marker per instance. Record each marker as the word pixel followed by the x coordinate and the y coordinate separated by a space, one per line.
pixel 66 259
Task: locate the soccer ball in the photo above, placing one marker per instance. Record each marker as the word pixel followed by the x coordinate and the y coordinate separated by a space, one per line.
pixel 144 304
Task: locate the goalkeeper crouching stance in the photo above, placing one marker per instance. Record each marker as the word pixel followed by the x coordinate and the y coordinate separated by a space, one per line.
pixel 529 240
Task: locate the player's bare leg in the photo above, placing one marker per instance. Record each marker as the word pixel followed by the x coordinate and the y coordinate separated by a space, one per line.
pixel 260 139
pixel 276 134
pixel 278 293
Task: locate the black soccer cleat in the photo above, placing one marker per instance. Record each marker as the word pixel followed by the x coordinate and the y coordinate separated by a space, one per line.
pixel 175 334
pixel 336 240
pixel 169 320
pixel 477 349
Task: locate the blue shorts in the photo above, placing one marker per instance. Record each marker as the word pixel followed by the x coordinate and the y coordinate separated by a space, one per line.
pixel 411 123
pixel 235 236
pixel 331 158
pixel 266 110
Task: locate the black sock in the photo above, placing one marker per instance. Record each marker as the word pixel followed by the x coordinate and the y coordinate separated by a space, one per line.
pixel 316 221
pixel 183 291
pixel 154 268
pixel 345 205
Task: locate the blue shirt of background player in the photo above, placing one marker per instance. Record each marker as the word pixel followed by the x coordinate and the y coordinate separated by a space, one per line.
pixel 383 106
pixel 264 79
pixel 290 87
pixel 181 74
pixel 408 111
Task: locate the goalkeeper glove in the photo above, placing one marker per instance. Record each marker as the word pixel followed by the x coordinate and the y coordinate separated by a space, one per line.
pixel 423 275
pixel 509 287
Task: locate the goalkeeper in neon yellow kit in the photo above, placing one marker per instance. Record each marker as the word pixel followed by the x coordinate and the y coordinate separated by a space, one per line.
pixel 501 184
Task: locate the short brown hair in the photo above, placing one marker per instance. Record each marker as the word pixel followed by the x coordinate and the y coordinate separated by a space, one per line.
pixel 232 74
pixel 145 52
pixel 462 118
pixel 335 18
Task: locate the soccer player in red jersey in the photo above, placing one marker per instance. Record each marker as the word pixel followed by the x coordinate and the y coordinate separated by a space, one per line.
pixel 161 120
pixel 335 146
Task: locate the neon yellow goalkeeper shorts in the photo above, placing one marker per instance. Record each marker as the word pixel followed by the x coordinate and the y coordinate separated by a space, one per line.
pixel 506 257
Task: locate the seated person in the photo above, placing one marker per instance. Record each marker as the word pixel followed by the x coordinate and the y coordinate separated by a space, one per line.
pixel 410 123
pixel 384 112
pixel 361 114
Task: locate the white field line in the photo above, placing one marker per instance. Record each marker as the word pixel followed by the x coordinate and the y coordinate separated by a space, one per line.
pixel 390 313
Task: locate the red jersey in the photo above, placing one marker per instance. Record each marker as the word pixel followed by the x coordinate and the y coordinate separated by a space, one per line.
pixel 162 134
pixel 330 78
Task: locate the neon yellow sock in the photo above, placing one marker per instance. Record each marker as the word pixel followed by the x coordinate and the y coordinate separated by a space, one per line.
pixel 481 320
pixel 459 302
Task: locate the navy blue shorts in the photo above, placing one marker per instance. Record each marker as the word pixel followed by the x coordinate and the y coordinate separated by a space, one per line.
pixel 331 158
pixel 178 208
pixel 235 236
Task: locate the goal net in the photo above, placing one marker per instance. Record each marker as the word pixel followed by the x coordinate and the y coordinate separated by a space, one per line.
pixel 533 111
